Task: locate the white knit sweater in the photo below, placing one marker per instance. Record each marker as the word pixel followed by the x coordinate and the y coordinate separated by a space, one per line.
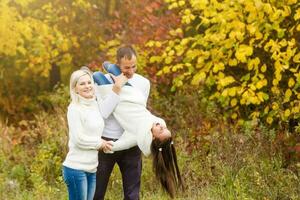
pixel 85 129
pixel 133 116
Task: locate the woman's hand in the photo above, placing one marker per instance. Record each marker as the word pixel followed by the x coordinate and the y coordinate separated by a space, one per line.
pixel 119 82
pixel 106 146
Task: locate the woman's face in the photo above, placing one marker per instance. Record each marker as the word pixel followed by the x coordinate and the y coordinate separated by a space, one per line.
pixel 84 87
pixel 160 132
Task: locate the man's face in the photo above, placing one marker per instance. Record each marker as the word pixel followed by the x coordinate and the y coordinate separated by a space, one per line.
pixel 128 66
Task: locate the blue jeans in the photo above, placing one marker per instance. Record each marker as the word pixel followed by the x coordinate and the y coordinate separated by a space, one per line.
pixel 81 185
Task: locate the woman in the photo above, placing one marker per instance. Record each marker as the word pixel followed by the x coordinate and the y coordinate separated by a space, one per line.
pixel 85 124
pixel 145 130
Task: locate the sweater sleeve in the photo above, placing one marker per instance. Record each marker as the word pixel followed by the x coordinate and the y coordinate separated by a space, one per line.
pixel 126 141
pixel 107 103
pixel 147 89
pixel 76 132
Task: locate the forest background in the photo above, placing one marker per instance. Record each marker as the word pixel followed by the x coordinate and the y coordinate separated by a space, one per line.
pixel 224 74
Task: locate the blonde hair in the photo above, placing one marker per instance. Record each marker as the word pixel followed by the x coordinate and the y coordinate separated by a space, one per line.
pixel 75 76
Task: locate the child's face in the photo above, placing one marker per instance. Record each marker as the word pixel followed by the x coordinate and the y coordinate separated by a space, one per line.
pixel 160 132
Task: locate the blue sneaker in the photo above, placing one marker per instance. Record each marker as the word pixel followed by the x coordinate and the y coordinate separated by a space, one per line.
pixel 100 79
pixel 113 69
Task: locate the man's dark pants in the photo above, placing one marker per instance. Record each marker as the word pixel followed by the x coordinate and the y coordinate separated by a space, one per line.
pixel 130 164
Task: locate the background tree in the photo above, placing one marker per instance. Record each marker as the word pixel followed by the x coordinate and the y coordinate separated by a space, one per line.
pixel 43 41
pixel 245 54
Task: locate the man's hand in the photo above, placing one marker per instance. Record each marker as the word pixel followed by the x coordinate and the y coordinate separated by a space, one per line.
pixel 119 82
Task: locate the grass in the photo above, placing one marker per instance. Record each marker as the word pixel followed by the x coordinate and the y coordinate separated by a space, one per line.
pixel 218 160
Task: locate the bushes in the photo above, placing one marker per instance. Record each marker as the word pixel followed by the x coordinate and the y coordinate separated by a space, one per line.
pixel 218 159
pixel 33 152
pixel 244 53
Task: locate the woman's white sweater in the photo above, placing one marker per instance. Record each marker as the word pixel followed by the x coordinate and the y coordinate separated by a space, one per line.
pixel 85 130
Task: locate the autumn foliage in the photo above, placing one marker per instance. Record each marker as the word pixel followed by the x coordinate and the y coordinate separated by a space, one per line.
pixel 244 53
pixel 41 42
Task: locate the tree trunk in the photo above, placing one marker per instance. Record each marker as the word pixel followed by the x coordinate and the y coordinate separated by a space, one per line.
pixel 55 76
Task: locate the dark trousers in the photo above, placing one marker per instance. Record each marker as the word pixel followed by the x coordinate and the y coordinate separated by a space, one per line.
pixel 130 164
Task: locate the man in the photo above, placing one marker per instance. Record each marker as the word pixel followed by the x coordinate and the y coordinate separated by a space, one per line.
pixel 129 161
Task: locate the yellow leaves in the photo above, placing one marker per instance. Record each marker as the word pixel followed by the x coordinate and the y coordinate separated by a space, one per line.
pixel 47 7
pixel 153 43
pixel 67 58
pixel 262 96
pixel 199 4
pixel 176 32
pixel 218 67
pixel 233 102
pixel 64 46
pixel 252 54
pixel 258 35
pixel 254 100
pixel 81 4
pixel 232 91
pixel 295 109
pixel 291 82
pixel 297 14
pixel 296 58
pixel 287 113
pixel 269 120
pixel 154 59
pixel 275 47
pixel 234 116
pixel 168 60
pixel 263 68
pixel 266 110
pixel 21 50
pixel 23 3
pixel 253 63
pixel 184 41
pixel 150 43
pixel 251 29
pixel 287 95
pixel 243 52
pixel 291 2
pixel 232 62
pixel 198 78
pixel 181 3
pixel 261 83
pixel 275 89
pixel 252 10
pixel 238 35
pixel 54 53
pixel 192 54
pixel 187 17
pixel 226 81
pixel 275 106
pixel 254 115
pixel 268 8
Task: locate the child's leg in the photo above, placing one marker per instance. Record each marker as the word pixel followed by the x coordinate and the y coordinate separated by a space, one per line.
pixel 112 69
pixel 100 79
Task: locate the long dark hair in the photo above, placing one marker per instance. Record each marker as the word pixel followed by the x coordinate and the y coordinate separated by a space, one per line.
pixel 165 165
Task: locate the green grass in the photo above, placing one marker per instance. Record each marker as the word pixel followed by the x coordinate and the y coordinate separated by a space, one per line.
pixel 218 161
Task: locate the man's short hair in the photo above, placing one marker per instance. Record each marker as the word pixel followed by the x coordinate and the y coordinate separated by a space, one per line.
pixel 125 52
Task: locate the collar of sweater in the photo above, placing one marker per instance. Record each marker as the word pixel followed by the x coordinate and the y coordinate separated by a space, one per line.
pixel 85 101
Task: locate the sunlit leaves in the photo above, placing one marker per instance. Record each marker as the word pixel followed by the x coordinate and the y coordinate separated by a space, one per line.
pixel 244 52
